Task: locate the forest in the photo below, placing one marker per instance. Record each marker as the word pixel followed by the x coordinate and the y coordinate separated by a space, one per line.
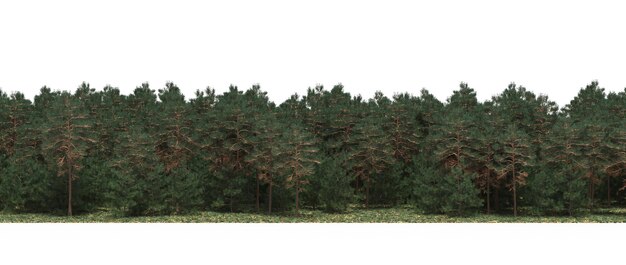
pixel 154 152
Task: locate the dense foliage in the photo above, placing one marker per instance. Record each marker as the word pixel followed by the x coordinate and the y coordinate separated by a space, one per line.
pixel 154 152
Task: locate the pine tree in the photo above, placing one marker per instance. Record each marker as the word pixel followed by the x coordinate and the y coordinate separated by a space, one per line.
pixel 332 117
pixel 488 126
pixel 136 185
pixel 335 192
pixel 588 110
pixel 25 182
pixel 67 139
pixel 514 159
pixel 615 115
pixel 264 155
pixel 175 147
pixel 297 159
pixel 462 194
pixel 428 185
pixel 371 154
pixel 231 140
pixel 402 127
pixel 559 185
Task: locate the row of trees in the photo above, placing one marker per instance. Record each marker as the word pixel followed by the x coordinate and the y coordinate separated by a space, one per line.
pixel 154 152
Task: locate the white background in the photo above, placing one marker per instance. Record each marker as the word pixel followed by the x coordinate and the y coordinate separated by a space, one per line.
pixel 551 47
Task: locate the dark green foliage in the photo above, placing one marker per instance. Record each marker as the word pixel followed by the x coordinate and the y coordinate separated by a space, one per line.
pixel 462 194
pixel 156 152
pixel 428 183
pixel 557 191
pixel 26 185
pixel 296 160
pixel 335 192
pixel 371 153
pixel 444 191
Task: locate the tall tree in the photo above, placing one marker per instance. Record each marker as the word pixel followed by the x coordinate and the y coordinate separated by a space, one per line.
pixel 372 153
pixel 175 147
pixel 297 159
pixel 559 185
pixel 67 139
pixel 514 160
pixel 231 140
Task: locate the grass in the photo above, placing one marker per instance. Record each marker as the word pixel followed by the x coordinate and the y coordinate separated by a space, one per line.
pixel 404 214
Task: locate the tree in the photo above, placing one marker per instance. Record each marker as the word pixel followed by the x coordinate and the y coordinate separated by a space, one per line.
pixel 231 138
pixel 371 154
pixel 335 192
pixel 559 185
pixel 598 144
pixel 264 155
pixel 331 117
pixel 67 139
pixel 136 185
pixel 429 186
pixel 488 126
pixel 462 194
pixel 514 159
pixel 25 182
pixel 297 159
pixel 175 147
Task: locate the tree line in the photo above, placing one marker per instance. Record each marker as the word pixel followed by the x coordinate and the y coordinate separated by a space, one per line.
pixel 154 152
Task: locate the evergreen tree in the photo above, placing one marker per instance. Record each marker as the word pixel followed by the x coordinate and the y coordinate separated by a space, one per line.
pixel 297 159
pixel 232 137
pixel 559 185
pixel 597 143
pixel 428 186
pixel 371 154
pixel 462 194
pixel 175 148
pixel 514 159
pixel 335 192
pixel 263 156
pixel 137 184
pixel 488 126
pixel 67 139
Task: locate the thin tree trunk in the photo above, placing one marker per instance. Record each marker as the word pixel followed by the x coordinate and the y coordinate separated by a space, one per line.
pixel 258 193
pixel 297 198
pixel 367 193
pixel 591 193
pixel 570 207
pixel 514 190
pixel 269 198
pixel 608 192
pixel 69 190
pixel 489 182
pixel 356 185
pixel 496 200
pixel 488 193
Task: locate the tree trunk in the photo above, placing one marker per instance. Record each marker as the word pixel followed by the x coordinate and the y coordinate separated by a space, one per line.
pixel 496 200
pixel 69 190
pixel 269 198
pixel 608 190
pixel 591 188
pixel 488 193
pixel 514 199
pixel 297 198
pixel 367 193
pixel 258 193
pixel 514 190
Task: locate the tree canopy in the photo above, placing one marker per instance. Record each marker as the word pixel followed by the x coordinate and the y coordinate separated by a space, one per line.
pixel 158 152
